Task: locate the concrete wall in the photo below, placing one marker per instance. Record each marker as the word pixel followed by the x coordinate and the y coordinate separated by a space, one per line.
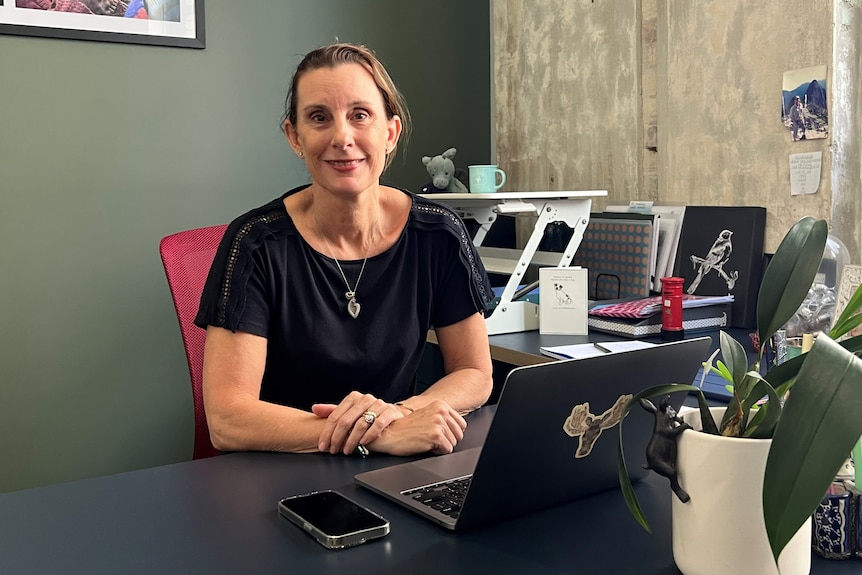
pixel 567 93
pixel 721 140
pixel 106 148
pixel 667 100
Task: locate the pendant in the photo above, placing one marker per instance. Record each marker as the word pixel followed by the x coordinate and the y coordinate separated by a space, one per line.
pixel 353 308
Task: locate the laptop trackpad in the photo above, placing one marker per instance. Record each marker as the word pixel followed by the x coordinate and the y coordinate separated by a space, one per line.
pixel 452 465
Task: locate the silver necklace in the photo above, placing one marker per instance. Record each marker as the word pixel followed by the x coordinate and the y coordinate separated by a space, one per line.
pixel 353 306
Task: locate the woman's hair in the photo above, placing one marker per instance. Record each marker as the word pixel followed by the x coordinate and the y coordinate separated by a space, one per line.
pixel 334 55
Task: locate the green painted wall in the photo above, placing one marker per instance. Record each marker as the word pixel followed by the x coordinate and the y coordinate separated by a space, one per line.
pixel 106 148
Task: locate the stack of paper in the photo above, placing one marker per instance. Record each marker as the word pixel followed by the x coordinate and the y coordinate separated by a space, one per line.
pixel 642 317
pixel 645 307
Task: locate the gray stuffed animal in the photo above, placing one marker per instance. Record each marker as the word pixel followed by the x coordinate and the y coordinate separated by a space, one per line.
pixel 442 171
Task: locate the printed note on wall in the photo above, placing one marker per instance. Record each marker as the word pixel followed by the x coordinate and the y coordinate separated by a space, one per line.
pixel 805 173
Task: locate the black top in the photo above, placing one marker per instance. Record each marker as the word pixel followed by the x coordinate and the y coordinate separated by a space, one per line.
pixel 266 280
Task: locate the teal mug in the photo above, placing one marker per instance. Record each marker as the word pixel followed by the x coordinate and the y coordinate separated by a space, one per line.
pixel 483 178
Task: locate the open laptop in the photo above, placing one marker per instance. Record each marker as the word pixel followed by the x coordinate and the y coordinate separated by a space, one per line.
pixel 553 438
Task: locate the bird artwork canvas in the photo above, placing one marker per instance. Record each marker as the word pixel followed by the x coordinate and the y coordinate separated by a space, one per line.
pixel 721 252
pixel 714 260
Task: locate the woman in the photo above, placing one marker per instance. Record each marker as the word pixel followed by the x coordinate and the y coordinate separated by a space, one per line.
pixel 797 119
pixel 318 303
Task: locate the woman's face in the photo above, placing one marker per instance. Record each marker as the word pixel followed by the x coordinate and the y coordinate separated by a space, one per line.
pixel 341 128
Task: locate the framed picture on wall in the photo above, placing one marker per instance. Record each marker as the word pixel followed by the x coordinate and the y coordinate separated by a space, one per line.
pixel 177 23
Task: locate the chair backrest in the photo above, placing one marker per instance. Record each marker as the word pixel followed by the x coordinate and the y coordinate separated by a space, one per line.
pixel 187 257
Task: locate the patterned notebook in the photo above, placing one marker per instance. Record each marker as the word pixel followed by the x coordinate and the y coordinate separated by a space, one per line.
pixel 693 320
pixel 646 307
pixel 617 255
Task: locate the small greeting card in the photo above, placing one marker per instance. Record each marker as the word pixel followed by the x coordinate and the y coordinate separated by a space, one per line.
pixel 563 301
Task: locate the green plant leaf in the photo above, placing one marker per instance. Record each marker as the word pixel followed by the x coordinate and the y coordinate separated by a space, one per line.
pixel 735 420
pixel 789 275
pixel 820 424
pixel 734 356
pixel 622 471
pixel 707 421
pixel 722 370
pixel 849 317
pixel 846 326
pixel 853 344
pixel 762 425
pixel 731 416
pixel 781 377
pixel 749 390
pixel 748 394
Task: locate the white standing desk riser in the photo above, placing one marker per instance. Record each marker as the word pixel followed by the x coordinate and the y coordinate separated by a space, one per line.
pixel 570 207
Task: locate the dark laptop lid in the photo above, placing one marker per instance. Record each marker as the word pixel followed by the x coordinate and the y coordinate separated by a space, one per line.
pixel 550 441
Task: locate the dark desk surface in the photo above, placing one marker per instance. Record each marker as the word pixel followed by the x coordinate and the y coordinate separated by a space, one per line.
pixel 522 348
pixel 218 515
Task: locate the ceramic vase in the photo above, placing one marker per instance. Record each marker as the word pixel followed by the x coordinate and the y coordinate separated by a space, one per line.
pixel 720 531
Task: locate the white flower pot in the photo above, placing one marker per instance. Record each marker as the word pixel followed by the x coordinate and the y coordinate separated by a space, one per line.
pixel 720 531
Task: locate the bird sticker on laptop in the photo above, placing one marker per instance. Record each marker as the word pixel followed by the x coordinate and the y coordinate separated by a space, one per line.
pixel 587 427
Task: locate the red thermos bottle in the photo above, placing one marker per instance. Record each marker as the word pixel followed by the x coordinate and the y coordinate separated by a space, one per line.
pixel 671 309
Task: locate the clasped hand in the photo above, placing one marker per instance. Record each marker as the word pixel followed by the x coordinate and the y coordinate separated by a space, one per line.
pixel 435 427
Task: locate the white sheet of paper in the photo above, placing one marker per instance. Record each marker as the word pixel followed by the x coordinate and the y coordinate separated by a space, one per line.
pixel 805 173
pixel 582 350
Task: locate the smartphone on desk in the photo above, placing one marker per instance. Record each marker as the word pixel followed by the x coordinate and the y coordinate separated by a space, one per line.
pixel 334 520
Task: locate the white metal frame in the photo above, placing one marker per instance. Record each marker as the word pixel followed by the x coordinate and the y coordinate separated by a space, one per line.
pixel 573 208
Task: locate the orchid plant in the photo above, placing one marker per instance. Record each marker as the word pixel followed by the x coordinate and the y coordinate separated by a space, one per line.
pixel 814 429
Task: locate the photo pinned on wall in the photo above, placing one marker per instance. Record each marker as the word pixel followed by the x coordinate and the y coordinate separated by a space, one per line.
pixel 803 103
pixel 178 23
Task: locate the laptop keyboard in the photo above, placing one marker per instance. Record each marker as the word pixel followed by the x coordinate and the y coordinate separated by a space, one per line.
pixel 447 497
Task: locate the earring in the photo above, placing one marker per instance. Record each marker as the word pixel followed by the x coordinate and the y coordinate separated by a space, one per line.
pixel 300 154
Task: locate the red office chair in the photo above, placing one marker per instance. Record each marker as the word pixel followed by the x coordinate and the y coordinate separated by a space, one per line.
pixel 187 257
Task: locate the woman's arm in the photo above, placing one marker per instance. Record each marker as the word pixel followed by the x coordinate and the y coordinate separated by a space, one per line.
pixel 467 363
pixel 238 420
pixel 432 420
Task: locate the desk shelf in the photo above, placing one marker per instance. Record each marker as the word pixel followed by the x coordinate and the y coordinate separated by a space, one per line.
pixel 570 207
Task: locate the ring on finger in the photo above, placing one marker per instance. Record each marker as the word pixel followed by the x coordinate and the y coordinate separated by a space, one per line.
pixel 369 416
